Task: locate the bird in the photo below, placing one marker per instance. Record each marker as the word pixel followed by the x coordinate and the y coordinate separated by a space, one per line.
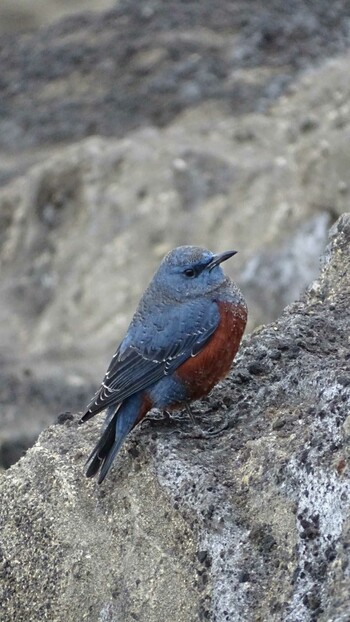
pixel 181 341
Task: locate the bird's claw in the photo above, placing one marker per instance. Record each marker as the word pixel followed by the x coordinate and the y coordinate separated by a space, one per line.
pixel 198 432
pixel 164 420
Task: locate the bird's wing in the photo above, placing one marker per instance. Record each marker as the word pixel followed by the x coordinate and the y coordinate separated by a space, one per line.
pixel 145 356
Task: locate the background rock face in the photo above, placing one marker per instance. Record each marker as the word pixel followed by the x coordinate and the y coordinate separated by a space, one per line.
pixel 251 525
pixel 225 128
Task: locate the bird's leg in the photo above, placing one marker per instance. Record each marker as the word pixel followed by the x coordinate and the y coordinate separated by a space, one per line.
pixel 201 433
pixel 190 414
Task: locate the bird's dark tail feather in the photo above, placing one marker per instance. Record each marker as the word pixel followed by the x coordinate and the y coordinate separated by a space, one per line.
pixel 118 427
pixel 100 453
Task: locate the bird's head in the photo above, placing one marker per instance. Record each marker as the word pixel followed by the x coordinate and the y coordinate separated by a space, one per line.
pixel 190 271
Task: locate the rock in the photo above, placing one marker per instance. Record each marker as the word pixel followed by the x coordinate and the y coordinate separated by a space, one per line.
pixel 135 65
pixel 11 450
pixel 252 524
pixel 17 16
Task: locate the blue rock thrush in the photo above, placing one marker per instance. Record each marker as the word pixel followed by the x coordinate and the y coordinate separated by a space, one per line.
pixel 181 341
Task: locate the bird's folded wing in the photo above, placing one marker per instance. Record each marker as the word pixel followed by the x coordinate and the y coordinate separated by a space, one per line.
pixel 146 356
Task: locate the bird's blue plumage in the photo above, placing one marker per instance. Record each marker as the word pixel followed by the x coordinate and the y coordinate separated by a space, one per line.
pixel 156 349
pixel 176 319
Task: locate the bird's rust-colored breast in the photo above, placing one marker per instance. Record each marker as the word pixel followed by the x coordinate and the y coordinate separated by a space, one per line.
pixel 201 372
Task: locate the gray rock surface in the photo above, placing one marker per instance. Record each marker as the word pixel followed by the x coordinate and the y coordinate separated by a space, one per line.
pixel 144 63
pixel 19 16
pixel 251 525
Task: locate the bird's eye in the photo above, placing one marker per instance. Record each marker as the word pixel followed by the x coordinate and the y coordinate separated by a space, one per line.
pixel 190 273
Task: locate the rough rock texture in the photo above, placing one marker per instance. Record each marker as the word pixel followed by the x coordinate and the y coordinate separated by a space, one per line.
pixel 226 128
pixel 251 525
pixel 145 62
pixel 18 16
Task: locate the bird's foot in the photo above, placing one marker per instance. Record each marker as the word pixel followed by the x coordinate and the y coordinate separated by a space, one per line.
pixel 160 420
pixel 165 419
pixel 198 432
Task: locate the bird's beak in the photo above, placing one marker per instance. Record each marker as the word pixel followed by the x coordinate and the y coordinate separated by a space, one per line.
pixel 219 258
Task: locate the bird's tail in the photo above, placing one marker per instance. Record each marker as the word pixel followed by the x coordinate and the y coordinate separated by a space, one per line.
pixel 118 427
